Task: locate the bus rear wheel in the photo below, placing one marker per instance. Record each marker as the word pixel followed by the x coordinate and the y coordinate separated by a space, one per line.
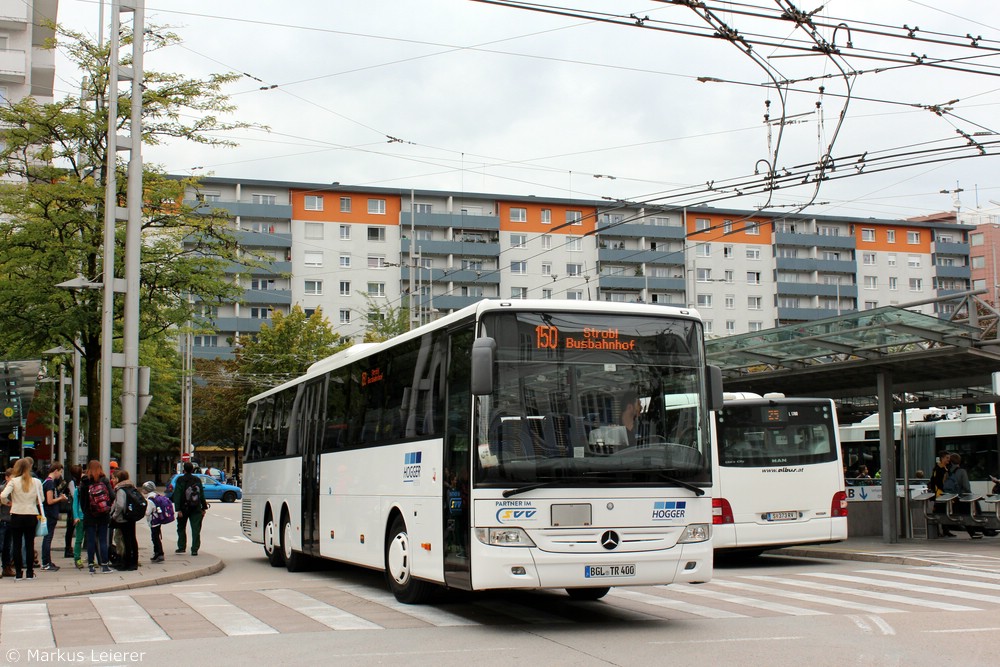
pixel 272 546
pixel 398 560
pixel 585 594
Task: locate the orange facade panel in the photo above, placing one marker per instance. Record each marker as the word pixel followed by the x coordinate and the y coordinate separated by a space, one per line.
pixel 729 229
pixel 545 218
pixel 892 238
pixel 356 207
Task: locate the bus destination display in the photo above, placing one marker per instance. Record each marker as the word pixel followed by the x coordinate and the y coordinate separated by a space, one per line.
pixel 548 337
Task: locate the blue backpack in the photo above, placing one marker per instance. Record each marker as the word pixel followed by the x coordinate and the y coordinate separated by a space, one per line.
pixel 163 511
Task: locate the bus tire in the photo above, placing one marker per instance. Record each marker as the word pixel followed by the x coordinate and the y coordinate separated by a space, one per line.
pixel 294 561
pixel 272 544
pixel 398 558
pixel 588 594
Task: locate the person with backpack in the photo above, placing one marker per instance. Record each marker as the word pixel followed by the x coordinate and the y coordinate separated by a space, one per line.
pixel 96 500
pixel 189 505
pixel 159 512
pixel 52 498
pixel 129 507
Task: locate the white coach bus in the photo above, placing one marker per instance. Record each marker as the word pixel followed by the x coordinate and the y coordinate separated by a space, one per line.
pixel 778 477
pixel 513 444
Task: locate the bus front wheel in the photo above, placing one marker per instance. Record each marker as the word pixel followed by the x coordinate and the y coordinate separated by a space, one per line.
pixel 398 561
pixel 272 547
pixel 294 561
pixel 584 594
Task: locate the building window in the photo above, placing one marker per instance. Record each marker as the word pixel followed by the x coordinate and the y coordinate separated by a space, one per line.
pixel 976 239
pixel 546 242
pixel 312 258
pixel 345 204
pixel 314 231
pixel 376 206
pixel 913 238
pixel 890 235
pixel 891 259
pixel 701 224
pixel 262 283
pixel 263 199
pixel 546 294
pixel 260 313
pixel 546 216
pixel 708 326
pixel 518 240
pixel 788 253
pixel 831 255
pixel 730 302
pixel 423 208
pixel 210 197
pixel 913 261
pixel 867 234
pixel 376 289
pixel 574 217
pixel 826 230
pixel 730 327
pixel 868 258
pixel 376 233
pixel 472 264
pixel 704 275
pixel 871 282
pixel 376 262
pixel 893 283
pixel 871 305
pixel 574 295
pixel 753 253
pixel 704 300
pixel 916 285
pixel 518 215
pixel 345 232
pixel 703 250
pixel 519 267
pixel 978 262
pixel 753 228
pixel 345 316
pixel 546 268
pixel 729 276
pixel 574 243
pixel 519 292
pixel 423 235
pixel 314 202
pixel 756 326
pixel 472 290
pixel 755 302
pixel 345 288
pixel 727 226
pixel 753 277
pixel 206 341
pixel 345 261
pixel 727 252
pixel 574 269
pixel 314 287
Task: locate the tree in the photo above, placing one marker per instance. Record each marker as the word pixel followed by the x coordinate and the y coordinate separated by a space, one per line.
pixel 52 206
pixel 385 322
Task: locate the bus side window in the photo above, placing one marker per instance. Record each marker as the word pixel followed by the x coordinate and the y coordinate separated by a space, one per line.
pixel 335 426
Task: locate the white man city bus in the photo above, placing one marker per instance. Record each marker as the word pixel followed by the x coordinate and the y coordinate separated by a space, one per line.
pixel 510 445
pixel 778 478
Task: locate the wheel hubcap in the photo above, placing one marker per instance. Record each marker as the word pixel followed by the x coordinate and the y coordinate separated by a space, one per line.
pixel 287 542
pixel 399 559
pixel 269 536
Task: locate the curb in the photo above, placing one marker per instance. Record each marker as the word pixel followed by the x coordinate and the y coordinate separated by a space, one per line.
pixel 830 554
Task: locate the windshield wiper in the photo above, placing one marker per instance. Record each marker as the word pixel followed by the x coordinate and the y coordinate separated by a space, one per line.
pixel 665 477
pixel 541 485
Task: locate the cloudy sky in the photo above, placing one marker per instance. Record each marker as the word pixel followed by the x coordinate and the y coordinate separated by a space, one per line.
pixel 476 97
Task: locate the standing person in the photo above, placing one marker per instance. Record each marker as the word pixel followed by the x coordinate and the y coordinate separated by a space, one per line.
pixel 76 518
pixel 190 505
pixel 96 499
pixel 159 511
pixel 52 499
pixel 958 482
pixel 24 495
pixel 6 536
pixel 936 485
pixel 68 488
pixel 129 507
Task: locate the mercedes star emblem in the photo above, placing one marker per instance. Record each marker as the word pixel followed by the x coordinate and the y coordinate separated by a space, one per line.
pixel 610 540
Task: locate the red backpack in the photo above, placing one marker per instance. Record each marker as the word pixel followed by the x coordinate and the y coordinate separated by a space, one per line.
pixel 100 497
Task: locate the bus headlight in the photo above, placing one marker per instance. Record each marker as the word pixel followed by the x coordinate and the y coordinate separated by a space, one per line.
pixel 696 532
pixel 504 537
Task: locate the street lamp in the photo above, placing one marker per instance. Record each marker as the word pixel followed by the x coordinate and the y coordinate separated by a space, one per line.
pixel 60 452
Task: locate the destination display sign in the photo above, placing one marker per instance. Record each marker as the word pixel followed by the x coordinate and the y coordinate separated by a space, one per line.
pixel 549 337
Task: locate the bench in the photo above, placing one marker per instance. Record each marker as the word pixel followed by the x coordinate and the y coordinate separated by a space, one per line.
pixel 962 511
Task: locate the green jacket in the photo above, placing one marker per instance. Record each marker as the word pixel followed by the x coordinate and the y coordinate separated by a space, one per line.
pixel 180 486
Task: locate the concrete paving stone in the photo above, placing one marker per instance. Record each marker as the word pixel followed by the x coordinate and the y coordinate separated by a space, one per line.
pixel 75 622
pixel 177 619
pixel 278 616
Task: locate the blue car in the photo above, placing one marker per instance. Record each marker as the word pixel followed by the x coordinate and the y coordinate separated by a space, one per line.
pixel 214 489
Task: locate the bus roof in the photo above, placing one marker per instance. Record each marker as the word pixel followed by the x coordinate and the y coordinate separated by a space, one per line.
pixel 476 311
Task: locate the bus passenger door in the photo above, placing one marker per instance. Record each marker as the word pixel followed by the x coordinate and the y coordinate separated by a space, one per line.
pixel 310 418
pixel 457 462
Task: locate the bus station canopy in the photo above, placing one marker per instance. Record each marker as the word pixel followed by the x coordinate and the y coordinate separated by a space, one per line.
pixel 931 361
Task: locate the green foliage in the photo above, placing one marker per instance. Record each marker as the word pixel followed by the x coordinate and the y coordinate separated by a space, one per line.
pixel 385 322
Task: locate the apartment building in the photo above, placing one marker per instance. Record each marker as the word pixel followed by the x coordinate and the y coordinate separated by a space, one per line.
pixel 26 68
pixel 343 249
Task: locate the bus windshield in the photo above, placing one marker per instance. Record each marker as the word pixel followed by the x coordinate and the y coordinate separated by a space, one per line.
pixel 776 434
pixel 582 399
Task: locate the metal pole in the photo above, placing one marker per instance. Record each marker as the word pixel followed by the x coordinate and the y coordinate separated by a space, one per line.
pixel 61 452
pixel 413 239
pixel 73 455
pixel 890 524
pixel 904 446
pixel 133 248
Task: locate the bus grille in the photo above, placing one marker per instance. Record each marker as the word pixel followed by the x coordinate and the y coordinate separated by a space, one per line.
pixel 245 520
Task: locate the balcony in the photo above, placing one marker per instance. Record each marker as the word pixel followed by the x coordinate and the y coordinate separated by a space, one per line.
pixel 263 239
pixel 814 240
pixel 481 277
pixel 226 326
pixel 267 297
pixel 633 230
pixel 673 258
pixel 13 65
pixel 274 269
pixel 244 209
pixel 453 302
pixel 446 220
pixel 808 314
pixel 953 272
pixel 220 352
pixel 810 264
pixel 945 248
pixel 461 248
pixel 805 289
pixel 14 14
pixel 641 282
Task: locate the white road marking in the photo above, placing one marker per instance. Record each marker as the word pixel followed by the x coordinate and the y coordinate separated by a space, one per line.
pixel 913 588
pixel 807 597
pixel 961 630
pixel 937 580
pixel 126 620
pixel 751 602
pixel 225 615
pixel 937 605
pixel 678 605
pixel 321 612
pixel 861 623
pixel 26 625
pixel 432 615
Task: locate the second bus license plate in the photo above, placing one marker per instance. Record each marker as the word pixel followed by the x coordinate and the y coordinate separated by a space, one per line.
pixel 604 571
pixel 781 516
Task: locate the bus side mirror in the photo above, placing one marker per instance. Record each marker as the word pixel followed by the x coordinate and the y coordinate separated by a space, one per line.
pixel 483 353
pixel 715 400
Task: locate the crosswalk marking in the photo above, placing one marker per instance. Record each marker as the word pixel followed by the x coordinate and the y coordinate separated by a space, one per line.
pixel 869 594
pixel 678 605
pixel 328 615
pixel 126 620
pixel 26 625
pixel 914 588
pixel 751 602
pixel 923 577
pixel 993 576
pixel 807 597
pixel 225 615
pixel 432 615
